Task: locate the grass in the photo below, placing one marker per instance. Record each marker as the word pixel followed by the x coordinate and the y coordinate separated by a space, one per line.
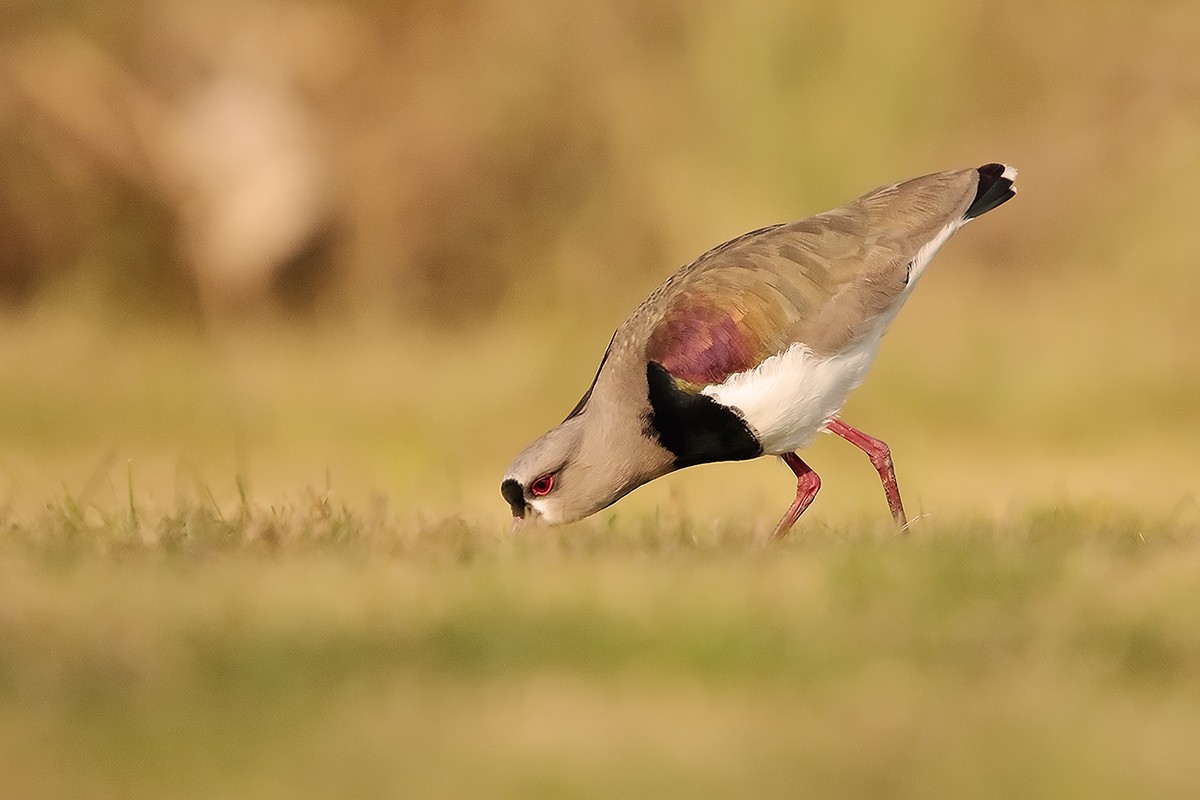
pixel 311 650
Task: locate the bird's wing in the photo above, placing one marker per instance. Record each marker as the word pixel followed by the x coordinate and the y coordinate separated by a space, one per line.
pixel 822 281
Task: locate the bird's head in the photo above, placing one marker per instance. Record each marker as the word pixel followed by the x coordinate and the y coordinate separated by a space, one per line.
pixel 547 482
pixel 577 469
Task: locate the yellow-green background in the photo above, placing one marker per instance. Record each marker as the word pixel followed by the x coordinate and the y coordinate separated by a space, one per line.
pixel 264 554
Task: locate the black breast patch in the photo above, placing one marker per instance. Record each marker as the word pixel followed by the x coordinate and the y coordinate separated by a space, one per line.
pixel 694 427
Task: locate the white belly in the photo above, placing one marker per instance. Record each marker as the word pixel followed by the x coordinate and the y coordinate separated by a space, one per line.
pixel 790 397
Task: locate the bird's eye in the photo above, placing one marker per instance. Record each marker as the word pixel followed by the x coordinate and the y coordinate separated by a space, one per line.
pixel 542 486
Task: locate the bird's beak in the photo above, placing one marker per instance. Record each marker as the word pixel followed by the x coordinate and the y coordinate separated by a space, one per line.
pixel 530 519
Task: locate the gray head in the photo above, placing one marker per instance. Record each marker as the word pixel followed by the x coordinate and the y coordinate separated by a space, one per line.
pixel 579 468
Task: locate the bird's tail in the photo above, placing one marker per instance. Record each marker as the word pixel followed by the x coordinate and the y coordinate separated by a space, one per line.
pixel 995 188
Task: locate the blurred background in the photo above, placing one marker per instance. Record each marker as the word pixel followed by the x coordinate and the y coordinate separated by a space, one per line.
pixel 379 247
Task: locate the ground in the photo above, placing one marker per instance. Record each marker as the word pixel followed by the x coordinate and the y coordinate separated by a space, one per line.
pixel 312 651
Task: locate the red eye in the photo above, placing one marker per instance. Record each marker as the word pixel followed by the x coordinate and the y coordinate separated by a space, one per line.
pixel 542 486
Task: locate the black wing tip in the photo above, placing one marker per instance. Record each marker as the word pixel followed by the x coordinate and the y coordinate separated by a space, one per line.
pixel 995 188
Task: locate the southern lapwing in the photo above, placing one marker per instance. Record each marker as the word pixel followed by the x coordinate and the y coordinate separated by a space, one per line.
pixel 751 350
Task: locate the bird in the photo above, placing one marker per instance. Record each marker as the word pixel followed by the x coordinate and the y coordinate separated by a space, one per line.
pixel 752 350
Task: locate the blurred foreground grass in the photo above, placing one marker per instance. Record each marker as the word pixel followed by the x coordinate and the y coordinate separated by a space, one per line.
pixel 314 650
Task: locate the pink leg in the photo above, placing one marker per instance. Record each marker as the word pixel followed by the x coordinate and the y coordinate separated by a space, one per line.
pixel 807 484
pixel 881 459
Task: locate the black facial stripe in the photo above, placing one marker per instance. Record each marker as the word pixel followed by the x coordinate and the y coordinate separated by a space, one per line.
pixel 515 496
pixel 582 404
pixel 694 427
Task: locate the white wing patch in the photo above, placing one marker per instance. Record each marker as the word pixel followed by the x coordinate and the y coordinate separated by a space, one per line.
pixel 789 398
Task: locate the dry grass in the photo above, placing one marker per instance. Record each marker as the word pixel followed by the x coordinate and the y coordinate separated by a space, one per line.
pixel 308 651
